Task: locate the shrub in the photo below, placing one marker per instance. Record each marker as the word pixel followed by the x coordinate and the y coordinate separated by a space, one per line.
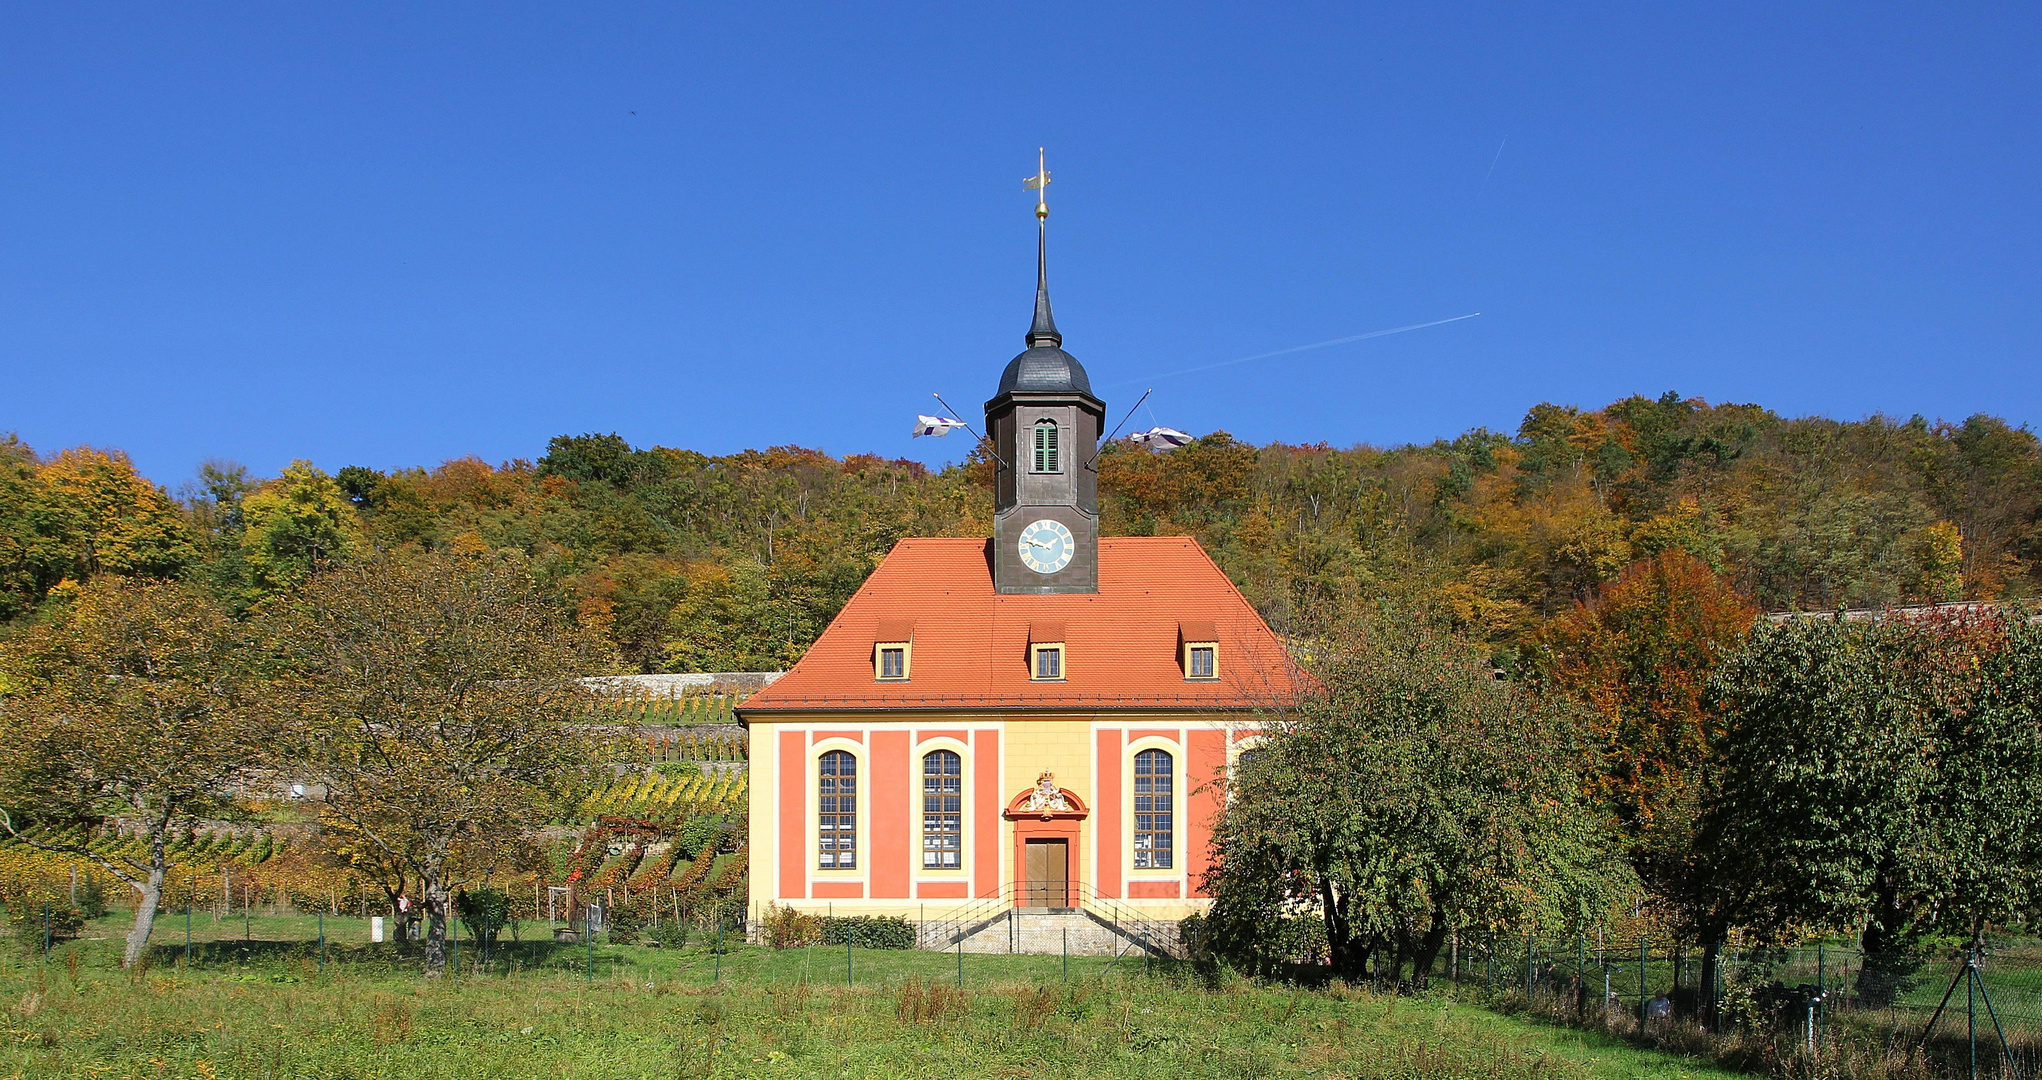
pixel 869 931
pixel 625 921
pixel 700 836
pixel 671 934
pixel 786 928
pixel 91 896
pixel 25 916
pixel 483 912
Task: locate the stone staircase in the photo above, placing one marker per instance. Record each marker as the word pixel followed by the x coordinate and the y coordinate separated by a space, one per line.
pixel 1049 931
pixel 1103 927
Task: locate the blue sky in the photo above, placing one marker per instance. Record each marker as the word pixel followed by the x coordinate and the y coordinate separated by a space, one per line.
pixel 391 235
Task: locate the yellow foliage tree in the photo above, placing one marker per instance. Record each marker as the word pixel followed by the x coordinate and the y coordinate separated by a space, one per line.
pixel 99 516
pixel 298 523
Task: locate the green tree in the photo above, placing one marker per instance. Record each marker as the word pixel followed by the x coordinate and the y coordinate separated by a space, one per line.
pixel 1412 796
pixel 133 704
pixel 20 587
pixel 296 524
pixel 1877 774
pixel 434 697
pixel 212 503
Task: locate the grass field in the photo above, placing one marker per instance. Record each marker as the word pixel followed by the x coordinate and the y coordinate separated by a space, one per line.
pixel 257 1003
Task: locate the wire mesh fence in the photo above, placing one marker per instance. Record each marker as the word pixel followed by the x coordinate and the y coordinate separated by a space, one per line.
pixel 1942 1008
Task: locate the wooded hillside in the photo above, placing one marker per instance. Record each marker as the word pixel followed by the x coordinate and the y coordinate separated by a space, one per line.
pixel 689 562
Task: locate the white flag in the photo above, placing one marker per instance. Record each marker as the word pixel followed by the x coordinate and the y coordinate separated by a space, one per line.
pixel 938 426
pixel 1166 438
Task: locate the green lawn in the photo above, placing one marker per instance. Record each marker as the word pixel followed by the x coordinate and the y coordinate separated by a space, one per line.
pixel 267 1008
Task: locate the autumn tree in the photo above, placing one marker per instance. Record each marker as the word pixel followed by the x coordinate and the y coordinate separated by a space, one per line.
pixel 1411 796
pixel 79 515
pixel 296 524
pixel 433 696
pixel 132 709
pixel 1639 654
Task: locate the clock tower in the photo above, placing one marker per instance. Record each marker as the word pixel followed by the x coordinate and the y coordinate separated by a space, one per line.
pixel 1044 423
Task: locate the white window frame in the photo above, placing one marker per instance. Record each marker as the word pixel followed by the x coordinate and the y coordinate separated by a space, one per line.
pixel 863 811
pixel 964 830
pixel 1175 871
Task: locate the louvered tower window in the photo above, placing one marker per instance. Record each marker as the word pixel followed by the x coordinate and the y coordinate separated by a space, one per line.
pixel 1045 448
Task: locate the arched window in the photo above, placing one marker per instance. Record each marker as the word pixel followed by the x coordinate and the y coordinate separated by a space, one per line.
pixel 1154 816
pixel 837 825
pixel 942 810
pixel 1045 448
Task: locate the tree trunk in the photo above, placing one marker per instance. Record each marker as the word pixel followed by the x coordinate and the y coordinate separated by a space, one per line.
pixel 400 928
pixel 1340 944
pixel 1705 986
pixel 437 905
pixel 1889 966
pixel 151 889
pixel 1428 950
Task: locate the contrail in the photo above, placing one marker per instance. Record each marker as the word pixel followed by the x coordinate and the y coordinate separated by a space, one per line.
pixel 1493 161
pixel 1300 348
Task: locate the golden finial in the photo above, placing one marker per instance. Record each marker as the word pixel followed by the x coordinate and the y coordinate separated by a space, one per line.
pixel 1040 183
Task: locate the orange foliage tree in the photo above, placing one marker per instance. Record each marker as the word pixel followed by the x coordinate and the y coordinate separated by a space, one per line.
pixel 1639 654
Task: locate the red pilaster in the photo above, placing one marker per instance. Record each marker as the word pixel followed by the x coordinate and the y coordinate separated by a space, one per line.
pixel 987 802
pixel 1206 775
pixel 890 818
pixel 1106 830
pixel 793 815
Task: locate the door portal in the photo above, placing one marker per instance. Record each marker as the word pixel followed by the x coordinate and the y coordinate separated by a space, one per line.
pixel 1046 878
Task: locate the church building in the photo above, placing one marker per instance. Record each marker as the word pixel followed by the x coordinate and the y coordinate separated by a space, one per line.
pixel 1044 719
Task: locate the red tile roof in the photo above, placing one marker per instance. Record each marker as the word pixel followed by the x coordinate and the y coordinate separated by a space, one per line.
pixel 1121 644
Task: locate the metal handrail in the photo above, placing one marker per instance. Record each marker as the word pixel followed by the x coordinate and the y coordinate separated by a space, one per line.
pixel 1155 936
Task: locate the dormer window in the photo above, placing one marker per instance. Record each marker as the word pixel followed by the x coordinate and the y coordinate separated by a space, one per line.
pixel 1198 650
pixel 1046 652
pixel 1045 458
pixel 894 653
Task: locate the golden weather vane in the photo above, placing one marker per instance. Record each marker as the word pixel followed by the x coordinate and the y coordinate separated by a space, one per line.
pixel 1040 183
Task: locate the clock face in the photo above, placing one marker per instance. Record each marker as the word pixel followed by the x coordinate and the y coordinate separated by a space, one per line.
pixel 1047 547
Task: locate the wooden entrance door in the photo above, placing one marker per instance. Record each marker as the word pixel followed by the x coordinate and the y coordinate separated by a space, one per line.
pixel 1045 879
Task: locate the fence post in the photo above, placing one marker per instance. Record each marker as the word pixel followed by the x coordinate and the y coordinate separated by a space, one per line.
pixel 719 950
pixel 960 962
pixel 46 931
pixel 1971 1013
pixel 322 941
pixel 1821 988
pixel 1530 969
pixel 1716 993
pixel 1580 975
pixel 1644 1009
pixel 588 936
pixel 187 922
pixel 847 957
